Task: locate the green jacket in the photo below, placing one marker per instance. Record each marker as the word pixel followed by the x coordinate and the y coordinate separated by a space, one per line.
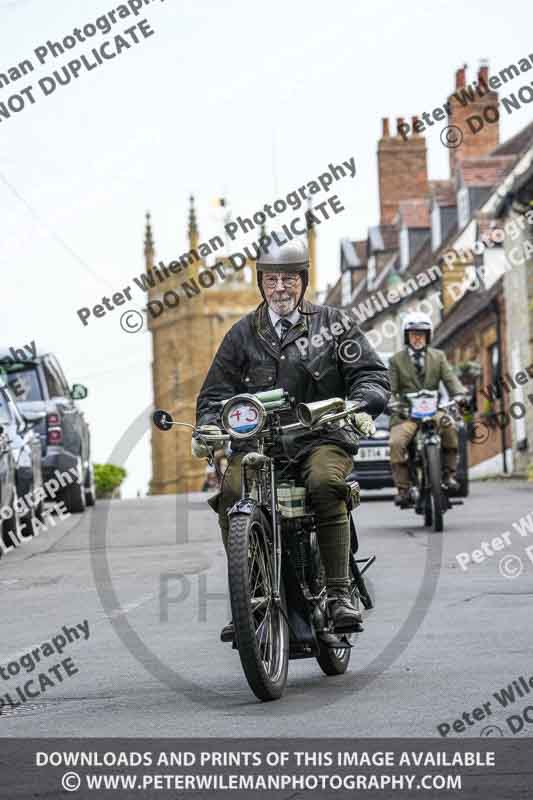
pixel 404 377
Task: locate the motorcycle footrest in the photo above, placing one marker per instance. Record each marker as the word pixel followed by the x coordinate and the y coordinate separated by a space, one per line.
pixel 354 627
pixel 453 502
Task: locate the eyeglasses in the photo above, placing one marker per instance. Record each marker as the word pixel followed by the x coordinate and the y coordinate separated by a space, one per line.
pixel 287 281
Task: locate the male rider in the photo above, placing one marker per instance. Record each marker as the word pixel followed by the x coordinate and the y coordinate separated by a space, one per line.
pixel 417 367
pixel 259 353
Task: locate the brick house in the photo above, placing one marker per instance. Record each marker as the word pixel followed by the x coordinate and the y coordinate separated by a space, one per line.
pixel 426 254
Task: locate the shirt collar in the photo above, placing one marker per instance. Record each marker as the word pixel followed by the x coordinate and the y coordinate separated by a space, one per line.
pixel 293 317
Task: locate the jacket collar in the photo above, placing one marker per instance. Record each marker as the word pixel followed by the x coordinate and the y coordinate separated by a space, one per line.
pixel 265 329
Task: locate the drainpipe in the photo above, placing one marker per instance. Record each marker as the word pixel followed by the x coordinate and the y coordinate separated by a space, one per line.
pixel 496 308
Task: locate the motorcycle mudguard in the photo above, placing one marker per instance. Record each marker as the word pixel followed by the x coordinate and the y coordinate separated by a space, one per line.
pixel 214 501
pixel 245 506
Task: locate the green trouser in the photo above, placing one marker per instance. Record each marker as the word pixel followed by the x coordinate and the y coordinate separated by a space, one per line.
pixel 323 472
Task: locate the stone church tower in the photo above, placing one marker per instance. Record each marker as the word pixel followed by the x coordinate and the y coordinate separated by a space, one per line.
pixel 185 339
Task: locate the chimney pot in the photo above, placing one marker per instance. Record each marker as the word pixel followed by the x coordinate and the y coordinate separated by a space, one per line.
pixel 460 77
pixel 385 127
pixel 399 122
pixel 414 120
pixel 483 73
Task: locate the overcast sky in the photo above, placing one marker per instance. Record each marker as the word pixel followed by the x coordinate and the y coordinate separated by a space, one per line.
pixel 244 99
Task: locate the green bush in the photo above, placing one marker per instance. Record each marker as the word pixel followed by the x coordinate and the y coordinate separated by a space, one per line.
pixel 107 477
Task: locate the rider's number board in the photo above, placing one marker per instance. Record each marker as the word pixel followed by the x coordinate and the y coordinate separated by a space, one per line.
pixel 243 418
pixel 423 407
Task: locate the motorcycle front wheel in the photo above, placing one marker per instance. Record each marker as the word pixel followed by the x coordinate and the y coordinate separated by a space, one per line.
pixel 261 630
pixel 435 482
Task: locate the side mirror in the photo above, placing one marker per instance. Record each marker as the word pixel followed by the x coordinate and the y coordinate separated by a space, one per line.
pixel 78 392
pixel 162 420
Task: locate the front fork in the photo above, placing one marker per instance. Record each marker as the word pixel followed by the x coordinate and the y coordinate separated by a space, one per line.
pixel 258 462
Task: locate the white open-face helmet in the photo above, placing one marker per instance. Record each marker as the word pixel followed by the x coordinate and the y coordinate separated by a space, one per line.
pixel 417 321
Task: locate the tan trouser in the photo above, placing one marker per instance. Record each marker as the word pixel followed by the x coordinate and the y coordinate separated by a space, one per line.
pixel 402 433
pixel 324 473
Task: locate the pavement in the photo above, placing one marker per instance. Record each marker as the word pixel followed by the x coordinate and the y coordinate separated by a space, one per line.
pixel 148 576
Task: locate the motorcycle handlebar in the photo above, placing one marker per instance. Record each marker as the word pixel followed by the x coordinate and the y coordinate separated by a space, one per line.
pixel 353 408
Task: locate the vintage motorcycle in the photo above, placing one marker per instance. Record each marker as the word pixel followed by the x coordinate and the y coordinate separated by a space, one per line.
pixel 430 497
pixel 275 575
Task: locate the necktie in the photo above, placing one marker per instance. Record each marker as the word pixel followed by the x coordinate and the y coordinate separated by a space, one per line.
pixel 418 363
pixel 284 326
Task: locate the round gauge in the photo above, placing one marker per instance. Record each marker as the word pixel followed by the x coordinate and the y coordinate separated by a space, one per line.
pixel 243 416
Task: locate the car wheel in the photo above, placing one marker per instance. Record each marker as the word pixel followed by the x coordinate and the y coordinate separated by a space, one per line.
pixel 39 511
pixel 74 494
pixel 11 527
pixel 90 487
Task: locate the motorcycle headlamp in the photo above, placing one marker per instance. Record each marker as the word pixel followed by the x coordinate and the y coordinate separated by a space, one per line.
pixel 243 416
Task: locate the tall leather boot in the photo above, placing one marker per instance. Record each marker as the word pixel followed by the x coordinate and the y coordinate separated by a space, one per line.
pixel 400 476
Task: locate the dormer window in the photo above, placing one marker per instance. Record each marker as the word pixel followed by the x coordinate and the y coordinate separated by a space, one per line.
pixel 463 207
pixel 436 229
pixel 404 248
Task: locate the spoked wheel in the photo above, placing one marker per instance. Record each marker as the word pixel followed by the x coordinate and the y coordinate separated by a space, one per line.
pixel 428 508
pixel 261 629
pixel 435 481
pixel 335 661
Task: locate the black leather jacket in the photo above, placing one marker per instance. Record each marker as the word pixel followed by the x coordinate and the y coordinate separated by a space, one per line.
pixel 252 359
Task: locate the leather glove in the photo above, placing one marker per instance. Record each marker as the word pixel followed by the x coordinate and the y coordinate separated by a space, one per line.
pixel 199 448
pixel 461 399
pixel 364 423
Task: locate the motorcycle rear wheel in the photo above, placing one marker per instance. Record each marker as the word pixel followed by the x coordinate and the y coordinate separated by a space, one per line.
pixel 261 630
pixel 335 661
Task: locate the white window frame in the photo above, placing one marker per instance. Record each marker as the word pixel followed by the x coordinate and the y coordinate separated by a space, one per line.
pixel 463 207
pixel 371 271
pixel 404 248
pixel 436 227
pixel 346 287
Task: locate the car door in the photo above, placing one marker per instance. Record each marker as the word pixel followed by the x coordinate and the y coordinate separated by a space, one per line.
pixel 30 443
pixel 79 422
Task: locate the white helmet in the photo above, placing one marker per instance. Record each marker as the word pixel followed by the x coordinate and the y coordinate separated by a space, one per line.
pixel 417 321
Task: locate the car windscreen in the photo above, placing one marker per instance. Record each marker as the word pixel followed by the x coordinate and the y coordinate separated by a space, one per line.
pixel 24 382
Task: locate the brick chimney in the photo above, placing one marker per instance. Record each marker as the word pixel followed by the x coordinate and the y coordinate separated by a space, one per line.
pixel 402 170
pixel 478 103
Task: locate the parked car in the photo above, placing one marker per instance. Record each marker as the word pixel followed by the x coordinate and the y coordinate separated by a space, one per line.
pixel 40 386
pixel 371 464
pixel 25 445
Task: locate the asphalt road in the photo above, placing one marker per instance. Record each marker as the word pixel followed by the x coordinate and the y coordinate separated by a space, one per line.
pixel 440 641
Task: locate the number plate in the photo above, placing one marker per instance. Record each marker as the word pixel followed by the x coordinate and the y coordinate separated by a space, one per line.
pixel 373 454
